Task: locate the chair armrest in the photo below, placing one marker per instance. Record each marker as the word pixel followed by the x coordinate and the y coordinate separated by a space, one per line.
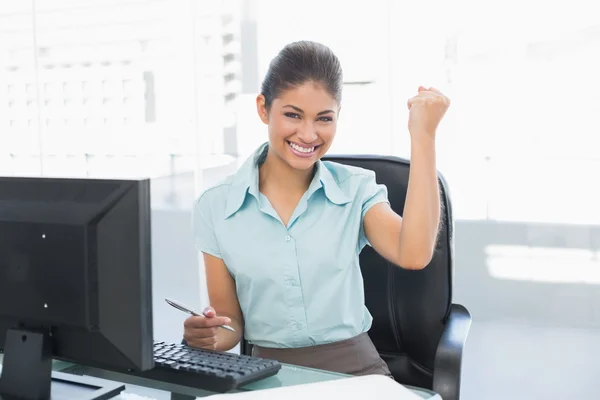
pixel 448 356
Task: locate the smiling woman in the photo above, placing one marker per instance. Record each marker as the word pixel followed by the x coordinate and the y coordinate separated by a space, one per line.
pixel 300 102
pixel 281 238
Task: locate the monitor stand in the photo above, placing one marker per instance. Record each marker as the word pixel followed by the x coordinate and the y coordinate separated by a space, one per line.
pixel 27 372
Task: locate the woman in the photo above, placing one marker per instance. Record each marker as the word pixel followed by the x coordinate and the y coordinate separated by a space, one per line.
pixel 281 237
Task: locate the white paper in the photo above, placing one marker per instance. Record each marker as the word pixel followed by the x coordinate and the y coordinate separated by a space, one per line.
pixel 370 386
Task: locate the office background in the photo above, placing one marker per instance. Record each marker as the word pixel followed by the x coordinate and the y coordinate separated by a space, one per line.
pixel 166 89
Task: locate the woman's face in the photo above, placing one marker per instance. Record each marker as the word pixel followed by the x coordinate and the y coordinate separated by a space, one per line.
pixel 302 124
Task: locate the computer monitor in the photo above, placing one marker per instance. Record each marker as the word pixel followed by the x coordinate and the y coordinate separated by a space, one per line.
pixel 75 280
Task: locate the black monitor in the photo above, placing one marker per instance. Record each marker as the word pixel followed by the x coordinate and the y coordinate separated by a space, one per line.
pixel 75 282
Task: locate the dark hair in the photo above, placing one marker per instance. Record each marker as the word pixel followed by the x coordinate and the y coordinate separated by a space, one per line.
pixel 301 62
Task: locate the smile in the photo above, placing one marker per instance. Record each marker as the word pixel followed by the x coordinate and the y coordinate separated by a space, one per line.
pixel 302 151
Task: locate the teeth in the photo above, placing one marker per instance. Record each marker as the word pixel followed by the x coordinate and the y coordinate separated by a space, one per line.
pixel 302 149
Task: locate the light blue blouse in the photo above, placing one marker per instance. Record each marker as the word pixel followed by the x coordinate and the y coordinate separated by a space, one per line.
pixel 298 285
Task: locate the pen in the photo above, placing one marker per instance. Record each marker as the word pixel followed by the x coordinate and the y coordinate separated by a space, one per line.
pixel 188 310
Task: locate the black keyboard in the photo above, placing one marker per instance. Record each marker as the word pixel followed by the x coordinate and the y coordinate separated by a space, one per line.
pixel 205 369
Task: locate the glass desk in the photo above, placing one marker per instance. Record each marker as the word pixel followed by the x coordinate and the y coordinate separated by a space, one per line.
pixel 289 375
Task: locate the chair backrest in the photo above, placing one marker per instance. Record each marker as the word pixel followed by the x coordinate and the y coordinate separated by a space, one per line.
pixel 409 308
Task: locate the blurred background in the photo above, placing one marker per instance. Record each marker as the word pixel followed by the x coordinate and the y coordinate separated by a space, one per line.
pixel 166 89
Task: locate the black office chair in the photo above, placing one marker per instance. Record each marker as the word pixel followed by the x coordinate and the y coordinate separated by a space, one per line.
pixel 416 328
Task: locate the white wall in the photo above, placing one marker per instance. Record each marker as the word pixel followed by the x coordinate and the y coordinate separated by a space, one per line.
pixel 359 35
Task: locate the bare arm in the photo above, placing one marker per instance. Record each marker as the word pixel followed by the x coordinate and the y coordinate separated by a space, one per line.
pixel 410 241
pixel 223 298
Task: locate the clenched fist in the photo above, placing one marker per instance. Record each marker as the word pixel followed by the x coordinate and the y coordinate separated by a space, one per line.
pixel 426 110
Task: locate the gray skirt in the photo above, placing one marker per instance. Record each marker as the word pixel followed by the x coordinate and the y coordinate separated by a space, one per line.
pixel 354 356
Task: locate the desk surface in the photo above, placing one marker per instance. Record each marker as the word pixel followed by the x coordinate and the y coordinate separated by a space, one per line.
pixel 289 375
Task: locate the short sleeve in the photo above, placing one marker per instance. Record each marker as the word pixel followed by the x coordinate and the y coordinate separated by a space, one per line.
pixel 372 193
pixel 203 228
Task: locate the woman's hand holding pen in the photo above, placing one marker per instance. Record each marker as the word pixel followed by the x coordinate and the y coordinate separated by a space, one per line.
pixel 201 331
